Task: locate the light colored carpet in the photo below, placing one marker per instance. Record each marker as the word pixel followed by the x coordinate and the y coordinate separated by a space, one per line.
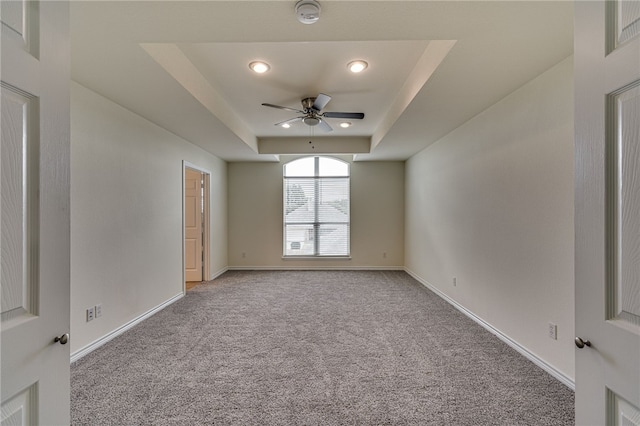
pixel 313 348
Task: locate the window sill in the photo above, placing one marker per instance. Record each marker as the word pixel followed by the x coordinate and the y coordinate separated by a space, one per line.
pixel 316 257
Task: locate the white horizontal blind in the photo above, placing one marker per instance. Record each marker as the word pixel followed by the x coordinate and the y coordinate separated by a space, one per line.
pixel 316 207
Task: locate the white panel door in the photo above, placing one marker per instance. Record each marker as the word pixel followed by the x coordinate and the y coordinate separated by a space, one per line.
pixel 193 225
pixel 34 212
pixel 607 161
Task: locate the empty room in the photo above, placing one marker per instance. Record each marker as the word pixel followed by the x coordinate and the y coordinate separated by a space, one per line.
pixel 283 212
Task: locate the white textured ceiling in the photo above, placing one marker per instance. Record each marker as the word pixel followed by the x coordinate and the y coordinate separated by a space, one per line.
pixel 433 66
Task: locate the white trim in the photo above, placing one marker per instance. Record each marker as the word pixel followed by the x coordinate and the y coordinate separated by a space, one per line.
pixel 118 331
pixel 563 378
pixel 218 273
pixel 316 268
pixel 206 244
pixel 193 166
pixel 183 193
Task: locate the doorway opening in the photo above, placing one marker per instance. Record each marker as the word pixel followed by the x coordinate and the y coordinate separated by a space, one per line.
pixel 195 225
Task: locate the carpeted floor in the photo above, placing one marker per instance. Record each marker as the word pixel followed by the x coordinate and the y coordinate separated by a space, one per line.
pixel 313 348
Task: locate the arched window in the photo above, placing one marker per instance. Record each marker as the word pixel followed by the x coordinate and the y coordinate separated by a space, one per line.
pixel 316 207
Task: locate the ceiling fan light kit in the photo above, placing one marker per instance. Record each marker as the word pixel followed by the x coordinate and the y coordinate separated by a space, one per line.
pixel 308 11
pixel 311 121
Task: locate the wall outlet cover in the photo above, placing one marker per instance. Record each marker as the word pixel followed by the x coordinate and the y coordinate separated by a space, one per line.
pixel 553 331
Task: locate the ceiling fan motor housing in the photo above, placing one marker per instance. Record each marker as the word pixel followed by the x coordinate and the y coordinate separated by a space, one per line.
pixel 308 11
pixel 307 103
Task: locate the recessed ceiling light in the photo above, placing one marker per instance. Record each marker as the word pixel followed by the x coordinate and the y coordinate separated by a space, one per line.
pixel 286 125
pixel 259 67
pixel 345 124
pixel 357 66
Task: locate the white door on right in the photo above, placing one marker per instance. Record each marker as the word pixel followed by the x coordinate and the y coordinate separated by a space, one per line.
pixel 607 215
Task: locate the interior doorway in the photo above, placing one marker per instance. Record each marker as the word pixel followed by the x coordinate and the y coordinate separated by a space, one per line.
pixel 195 220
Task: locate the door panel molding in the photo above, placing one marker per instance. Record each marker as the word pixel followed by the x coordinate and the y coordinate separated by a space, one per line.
pixel 19 224
pixel 21 409
pixel 623 205
pixel 20 23
pixel 621 412
pixel 623 23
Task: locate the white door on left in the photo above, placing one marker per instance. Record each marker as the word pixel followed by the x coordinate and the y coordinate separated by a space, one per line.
pixel 34 212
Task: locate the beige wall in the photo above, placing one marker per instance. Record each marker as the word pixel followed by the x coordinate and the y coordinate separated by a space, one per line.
pixel 377 217
pixel 492 205
pixel 126 214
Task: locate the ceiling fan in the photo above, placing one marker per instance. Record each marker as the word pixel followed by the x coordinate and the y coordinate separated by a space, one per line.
pixel 312 115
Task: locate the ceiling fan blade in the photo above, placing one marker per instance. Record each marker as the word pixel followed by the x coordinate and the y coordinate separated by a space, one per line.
pixel 324 126
pixel 284 108
pixel 351 115
pixel 289 121
pixel 321 101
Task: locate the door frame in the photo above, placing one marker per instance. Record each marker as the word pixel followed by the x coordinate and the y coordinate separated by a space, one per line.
pixel 205 222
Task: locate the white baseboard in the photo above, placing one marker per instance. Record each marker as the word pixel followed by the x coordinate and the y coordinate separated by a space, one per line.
pixel 316 268
pixel 563 378
pixel 118 331
pixel 218 273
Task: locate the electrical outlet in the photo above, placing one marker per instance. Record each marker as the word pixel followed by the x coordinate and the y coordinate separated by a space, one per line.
pixel 384 255
pixel 244 255
pixel 91 314
pixel 98 310
pixel 553 331
pixel 455 281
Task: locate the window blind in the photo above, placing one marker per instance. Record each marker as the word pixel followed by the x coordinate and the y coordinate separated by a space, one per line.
pixel 316 212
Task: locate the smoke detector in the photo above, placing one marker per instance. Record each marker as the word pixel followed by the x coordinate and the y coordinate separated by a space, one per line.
pixel 308 11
